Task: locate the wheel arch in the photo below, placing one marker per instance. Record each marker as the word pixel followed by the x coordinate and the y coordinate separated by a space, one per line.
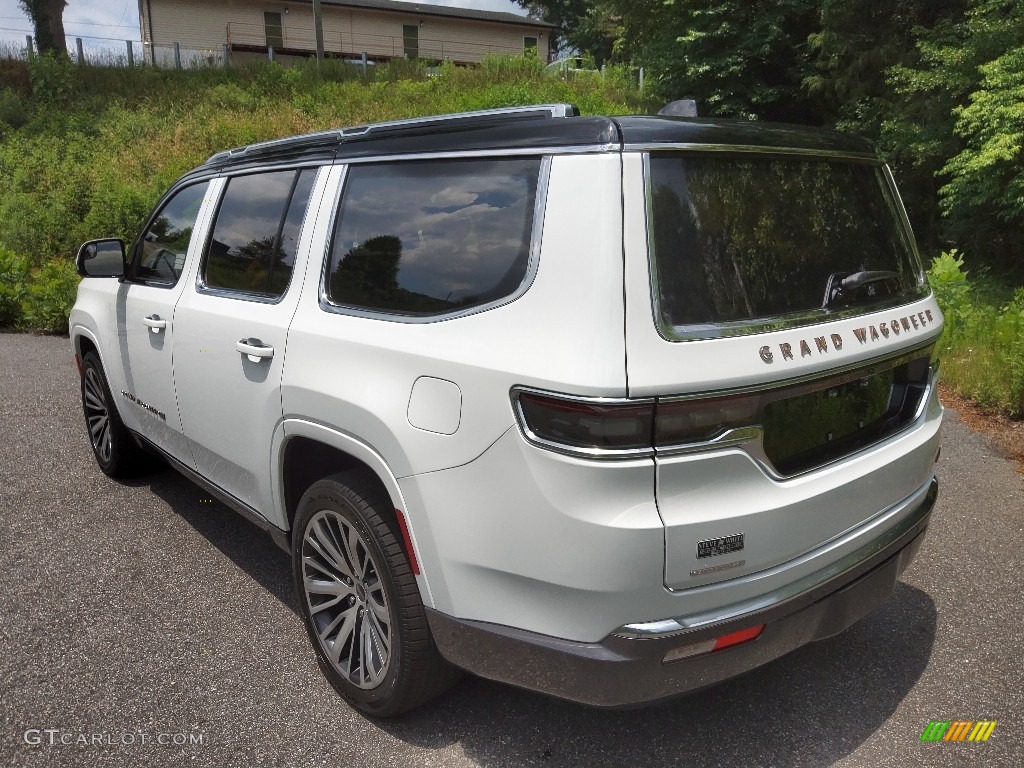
pixel 304 452
pixel 83 341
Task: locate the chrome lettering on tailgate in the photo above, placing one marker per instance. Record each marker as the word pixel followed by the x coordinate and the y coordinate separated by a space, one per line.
pixel 723 545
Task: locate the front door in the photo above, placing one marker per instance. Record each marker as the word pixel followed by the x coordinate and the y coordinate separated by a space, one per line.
pixel 145 308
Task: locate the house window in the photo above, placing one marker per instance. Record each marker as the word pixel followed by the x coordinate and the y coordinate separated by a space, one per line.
pixel 273 29
pixel 411 41
pixel 530 46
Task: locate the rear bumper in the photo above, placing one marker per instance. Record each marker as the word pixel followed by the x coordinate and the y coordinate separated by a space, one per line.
pixel 626 668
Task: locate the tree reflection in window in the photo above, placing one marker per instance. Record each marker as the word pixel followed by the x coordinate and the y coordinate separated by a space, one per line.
pixel 738 239
pixel 424 238
pixel 255 236
pixel 163 247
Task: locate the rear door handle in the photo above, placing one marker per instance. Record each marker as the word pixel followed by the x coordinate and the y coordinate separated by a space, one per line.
pixel 254 349
pixel 155 323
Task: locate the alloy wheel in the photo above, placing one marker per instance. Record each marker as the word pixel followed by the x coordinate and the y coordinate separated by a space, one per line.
pixel 347 601
pixel 97 415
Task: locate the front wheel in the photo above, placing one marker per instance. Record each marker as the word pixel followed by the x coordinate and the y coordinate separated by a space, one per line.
pixel 116 451
pixel 360 600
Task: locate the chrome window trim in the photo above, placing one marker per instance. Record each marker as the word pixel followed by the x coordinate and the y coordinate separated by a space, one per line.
pixel 532 264
pixel 579 149
pixel 274 165
pixel 686 624
pixel 740 328
pixel 754 149
pixel 571 450
pixel 256 298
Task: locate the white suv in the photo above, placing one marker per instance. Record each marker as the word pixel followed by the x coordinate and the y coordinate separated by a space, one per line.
pixel 608 408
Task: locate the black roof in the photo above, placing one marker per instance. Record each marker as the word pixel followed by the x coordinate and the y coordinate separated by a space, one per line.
pixel 542 127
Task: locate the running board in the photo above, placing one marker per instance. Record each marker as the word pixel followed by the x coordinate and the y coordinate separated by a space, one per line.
pixel 280 537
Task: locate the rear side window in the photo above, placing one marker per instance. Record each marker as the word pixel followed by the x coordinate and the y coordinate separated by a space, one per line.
pixel 749 244
pixel 431 237
pixel 256 233
pixel 161 252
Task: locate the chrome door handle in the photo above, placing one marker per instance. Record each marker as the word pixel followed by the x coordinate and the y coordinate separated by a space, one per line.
pixel 254 349
pixel 155 323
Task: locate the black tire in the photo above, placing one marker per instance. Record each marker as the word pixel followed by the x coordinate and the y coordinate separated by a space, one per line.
pixel 115 449
pixel 350 570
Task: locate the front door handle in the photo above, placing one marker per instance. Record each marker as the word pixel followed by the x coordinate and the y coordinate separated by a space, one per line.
pixel 254 349
pixel 155 323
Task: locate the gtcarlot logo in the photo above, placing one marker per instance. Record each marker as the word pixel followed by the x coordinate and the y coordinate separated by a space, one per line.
pixel 57 737
pixel 958 730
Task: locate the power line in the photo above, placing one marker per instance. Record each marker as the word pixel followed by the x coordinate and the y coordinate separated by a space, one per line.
pixel 78 23
pixel 71 37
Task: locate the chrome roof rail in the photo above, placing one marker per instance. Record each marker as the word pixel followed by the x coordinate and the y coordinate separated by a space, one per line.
pixel 340 134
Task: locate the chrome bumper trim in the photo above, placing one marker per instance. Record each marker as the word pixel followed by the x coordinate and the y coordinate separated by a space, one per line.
pixel 794 591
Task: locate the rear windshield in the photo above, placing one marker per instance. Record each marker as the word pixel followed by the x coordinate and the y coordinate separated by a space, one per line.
pixel 755 243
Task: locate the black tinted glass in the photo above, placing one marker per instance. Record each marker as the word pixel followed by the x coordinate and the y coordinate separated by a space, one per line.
pixel 424 238
pixel 742 239
pixel 256 232
pixel 164 245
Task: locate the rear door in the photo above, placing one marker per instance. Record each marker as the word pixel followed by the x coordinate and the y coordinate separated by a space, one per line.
pixel 777 309
pixel 232 325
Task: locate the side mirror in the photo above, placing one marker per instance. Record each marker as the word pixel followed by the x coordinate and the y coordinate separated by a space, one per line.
pixel 101 258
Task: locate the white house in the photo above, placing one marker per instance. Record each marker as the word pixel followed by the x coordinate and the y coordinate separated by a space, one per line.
pixel 383 29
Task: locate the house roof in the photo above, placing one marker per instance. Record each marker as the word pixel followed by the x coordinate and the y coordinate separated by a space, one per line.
pixel 448 11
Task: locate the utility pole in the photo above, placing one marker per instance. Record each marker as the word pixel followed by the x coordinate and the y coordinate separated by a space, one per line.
pixel 318 26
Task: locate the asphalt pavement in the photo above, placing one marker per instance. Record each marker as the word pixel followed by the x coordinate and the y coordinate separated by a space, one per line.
pixel 143 624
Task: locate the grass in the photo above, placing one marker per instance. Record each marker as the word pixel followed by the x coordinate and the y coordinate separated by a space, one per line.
pixel 982 346
pixel 86 151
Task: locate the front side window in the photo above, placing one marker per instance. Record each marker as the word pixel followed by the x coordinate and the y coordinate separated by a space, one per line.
pixel 432 237
pixel 256 233
pixel 161 252
pixel 745 244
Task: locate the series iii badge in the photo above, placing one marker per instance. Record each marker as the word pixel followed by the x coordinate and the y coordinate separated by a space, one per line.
pixel 723 545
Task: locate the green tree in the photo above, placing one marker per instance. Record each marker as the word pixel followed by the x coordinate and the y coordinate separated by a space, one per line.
pixel 736 59
pixel 956 126
pixel 588 26
pixel 48 19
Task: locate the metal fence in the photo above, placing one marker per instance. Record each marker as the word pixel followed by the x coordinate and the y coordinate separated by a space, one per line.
pixel 129 53
pixel 246 41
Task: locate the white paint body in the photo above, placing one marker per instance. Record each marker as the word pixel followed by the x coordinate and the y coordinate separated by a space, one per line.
pixel 506 531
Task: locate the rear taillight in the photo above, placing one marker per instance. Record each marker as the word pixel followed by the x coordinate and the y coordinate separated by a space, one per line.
pixel 699 421
pixel 625 428
pixel 590 425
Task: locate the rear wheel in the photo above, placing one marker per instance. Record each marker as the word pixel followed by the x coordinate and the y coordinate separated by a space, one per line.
pixel 115 449
pixel 360 600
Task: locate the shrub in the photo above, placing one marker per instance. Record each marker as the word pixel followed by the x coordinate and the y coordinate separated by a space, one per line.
pixel 51 294
pixel 982 346
pixel 13 277
pixel 12 109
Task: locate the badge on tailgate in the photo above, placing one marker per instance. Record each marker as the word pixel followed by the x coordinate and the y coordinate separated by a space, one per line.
pixel 723 545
